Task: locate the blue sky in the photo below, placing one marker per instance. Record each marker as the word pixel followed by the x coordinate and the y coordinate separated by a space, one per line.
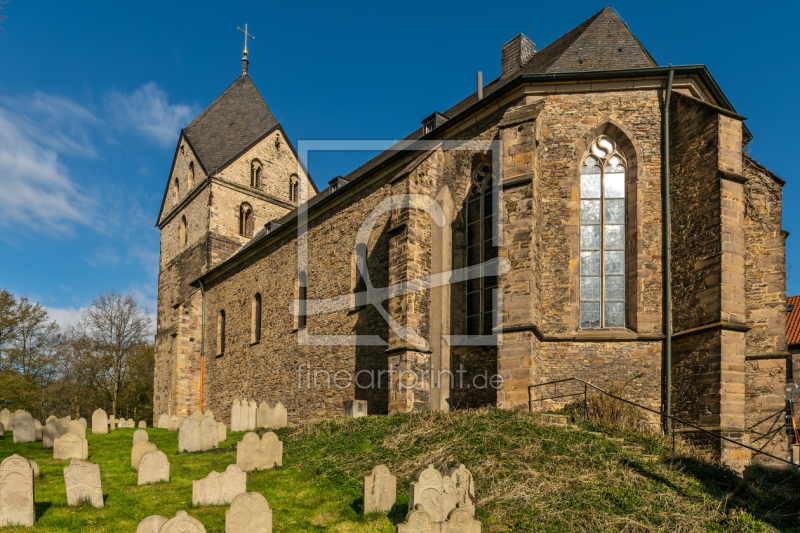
pixel 93 95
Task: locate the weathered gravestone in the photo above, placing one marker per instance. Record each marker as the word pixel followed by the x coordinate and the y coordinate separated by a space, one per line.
pixel 236 415
pixel 64 422
pixel 83 483
pixel 380 490
pixel 264 416
pixel 208 412
pixel 222 432
pixel 208 434
pixel 219 489
pixel 279 416
pixel 140 434
pixel 252 414
pixel 438 495
pixel 70 446
pixel 182 523
pixel 249 513
pixel 174 423
pixel 35 467
pixel 16 492
pixel 2 429
pixel 163 421
pixel 142 424
pixel 112 423
pixel 52 431
pixel 37 429
pixel 99 422
pixel 197 414
pixel 189 435
pixel 5 419
pixel 153 467
pixel 83 422
pixel 23 428
pixel 253 453
pixel 151 524
pixel 354 408
pixel 138 451
pixel 77 428
pixel 458 521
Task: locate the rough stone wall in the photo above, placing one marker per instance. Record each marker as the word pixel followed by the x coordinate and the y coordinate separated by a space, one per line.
pixel 184 157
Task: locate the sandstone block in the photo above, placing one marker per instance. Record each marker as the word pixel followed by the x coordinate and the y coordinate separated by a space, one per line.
pixel 70 446
pixel 153 468
pixel 380 490
pixel 83 483
pixel 140 434
pixel 99 422
pixel 253 453
pixel 151 524
pixel 16 492
pixel 249 513
pixel 219 489
pixel 138 451
pixel 23 428
pixel 354 408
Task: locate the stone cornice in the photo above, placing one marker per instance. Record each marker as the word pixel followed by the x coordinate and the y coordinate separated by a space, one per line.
pixel 722 325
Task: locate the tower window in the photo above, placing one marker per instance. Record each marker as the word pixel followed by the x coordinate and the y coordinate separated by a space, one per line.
pixel 221 333
pixel 480 219
pixel 176 191
pixel 190 176
pixel 246 222
pixel 256 326
pixel 294 188
pixel 602 266
pixel 255 174
pixel 182 232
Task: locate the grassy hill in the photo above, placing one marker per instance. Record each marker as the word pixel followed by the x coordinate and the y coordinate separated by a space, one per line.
pixel 529 477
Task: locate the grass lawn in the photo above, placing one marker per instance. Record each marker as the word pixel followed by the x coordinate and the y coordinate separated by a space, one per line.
pixel 528 477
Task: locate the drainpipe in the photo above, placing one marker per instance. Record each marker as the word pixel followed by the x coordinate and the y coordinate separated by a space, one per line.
pixel 202 342
pixel 667 256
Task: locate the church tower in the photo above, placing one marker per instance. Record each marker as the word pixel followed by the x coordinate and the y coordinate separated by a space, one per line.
pixel 234 170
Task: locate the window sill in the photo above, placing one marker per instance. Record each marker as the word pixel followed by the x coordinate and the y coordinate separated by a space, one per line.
pixel 219 355
pixel 254 343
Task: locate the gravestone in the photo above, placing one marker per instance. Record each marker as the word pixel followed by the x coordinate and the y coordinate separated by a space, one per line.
pixel 254 453
pixel 380 490
pixel 189 435
pixel 83 483
pixel 219 489
pixel 51 417
pixel 208 434
pixel 83 422
pixel 77 428
pixel 16 492
pixel 249 513
pixel 138 451
pixel 279 416
pixel 2 429
pixel 174 423
pixel 23 428
pixel 354 408
pixel 64 422
pixel 163 421
pixel 264 416
pixel 35 467
pixel 37 429
pixel 70 446
pixel 252 412
pixel 438 495
pixel 197 414
pixel 151 524
pixel 99 422
pixel 236 416
pixel 208 412
pixel 52 431
pixel 153 467
pixel 222 432
pixel 5 419
pixel 418 521
pixel 140 434
pixel 142 424
pixel 182 523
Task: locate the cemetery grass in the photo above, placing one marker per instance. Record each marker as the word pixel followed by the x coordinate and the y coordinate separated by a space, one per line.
pixel 301 500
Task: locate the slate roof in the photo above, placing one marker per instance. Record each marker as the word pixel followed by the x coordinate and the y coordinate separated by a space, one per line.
pixel 792 319
pixel 236 119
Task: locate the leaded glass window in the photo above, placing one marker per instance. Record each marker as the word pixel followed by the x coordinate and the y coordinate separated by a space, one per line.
pixel 480 219
pixel 602 287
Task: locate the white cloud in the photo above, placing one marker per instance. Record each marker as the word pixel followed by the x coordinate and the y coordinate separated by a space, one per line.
pixel 148 110
pixel 36 190
pixel 65 317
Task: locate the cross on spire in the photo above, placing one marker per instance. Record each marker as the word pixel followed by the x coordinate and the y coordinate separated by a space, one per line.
pixel 246 35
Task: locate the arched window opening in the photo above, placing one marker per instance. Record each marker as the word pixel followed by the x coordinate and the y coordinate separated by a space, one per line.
pixel 256 326
pixel 221 333
pixel 602 266
pixel 294 188
pixel 302 295
pixel 190 176
pixel 246 221
pixel 481 218
pixel 182 232
pixel 255 174
pixel 176 190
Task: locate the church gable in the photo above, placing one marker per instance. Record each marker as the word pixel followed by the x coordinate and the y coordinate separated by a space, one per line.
pixel 186 174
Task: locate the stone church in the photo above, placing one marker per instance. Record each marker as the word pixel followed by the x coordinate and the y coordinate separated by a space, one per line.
pixel 535 250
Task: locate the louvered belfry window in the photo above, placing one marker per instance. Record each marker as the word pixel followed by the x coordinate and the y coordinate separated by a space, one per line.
pixel 602 266
pixel 480 220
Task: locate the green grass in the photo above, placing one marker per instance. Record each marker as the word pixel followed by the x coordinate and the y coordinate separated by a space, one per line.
pixel 528 476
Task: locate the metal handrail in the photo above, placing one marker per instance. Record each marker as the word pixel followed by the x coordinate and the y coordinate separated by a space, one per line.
pixel 586 384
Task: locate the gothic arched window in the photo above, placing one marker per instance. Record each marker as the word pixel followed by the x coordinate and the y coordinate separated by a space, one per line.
pixel 190 176
pixel 602 290
pixel 480 219
pixel 294 186
pixel 176 191
pixel 255 174
pixel 256 326
pixel 221 333
pixel 182 232
pixel 246 221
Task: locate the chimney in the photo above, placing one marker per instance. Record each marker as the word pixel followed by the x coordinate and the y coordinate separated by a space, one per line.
pixel 480 85
pixel 515 53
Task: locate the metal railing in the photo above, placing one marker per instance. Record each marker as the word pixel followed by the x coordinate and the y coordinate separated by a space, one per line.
pixel 585 394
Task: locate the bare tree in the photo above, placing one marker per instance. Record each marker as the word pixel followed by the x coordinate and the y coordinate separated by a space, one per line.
pixel 37 343
pixel 106 339
pixel 8 326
